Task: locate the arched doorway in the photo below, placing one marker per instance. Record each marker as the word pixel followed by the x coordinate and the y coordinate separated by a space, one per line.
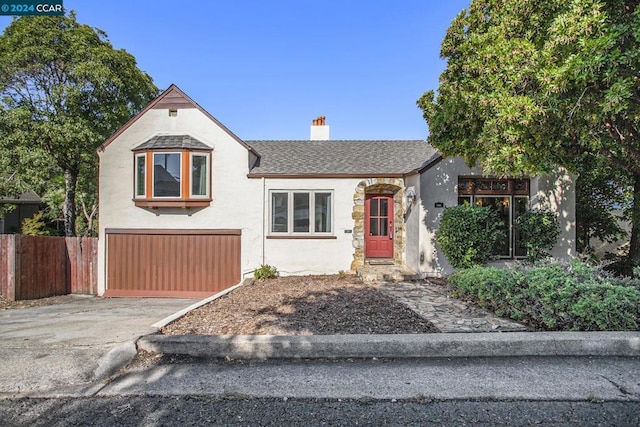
pixel 379 230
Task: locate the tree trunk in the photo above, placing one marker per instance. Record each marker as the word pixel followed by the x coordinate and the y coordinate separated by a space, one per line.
pixel 634 247
pixel 69 209
pixel 89 217
pixel 586 239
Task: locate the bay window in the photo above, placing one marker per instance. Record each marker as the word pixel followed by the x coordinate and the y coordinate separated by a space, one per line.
pixel 172 178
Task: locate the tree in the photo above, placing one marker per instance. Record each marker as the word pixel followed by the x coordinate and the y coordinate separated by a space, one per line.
pixel 601 195
pixel 63 90
pixel 534 84
pixel 539 231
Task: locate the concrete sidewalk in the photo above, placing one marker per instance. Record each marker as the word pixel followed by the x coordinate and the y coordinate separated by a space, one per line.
pixel 62 347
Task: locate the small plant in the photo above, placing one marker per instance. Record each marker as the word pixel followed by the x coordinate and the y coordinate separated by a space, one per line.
pixel 469 235
pixel 265 271
pixel 35 226
pixel 538 232
pixel 341 274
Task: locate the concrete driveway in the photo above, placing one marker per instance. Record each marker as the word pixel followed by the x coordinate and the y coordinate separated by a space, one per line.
pixel 64 348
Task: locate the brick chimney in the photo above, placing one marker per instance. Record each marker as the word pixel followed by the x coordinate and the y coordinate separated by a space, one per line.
pixel 319 130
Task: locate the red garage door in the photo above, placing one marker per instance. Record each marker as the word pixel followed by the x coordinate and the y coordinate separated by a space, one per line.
pixel 171 263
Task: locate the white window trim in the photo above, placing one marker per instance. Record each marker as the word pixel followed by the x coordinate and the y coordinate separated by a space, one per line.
pixel 153 178
pixel 135 179
pixel 208 173
pixel 312 213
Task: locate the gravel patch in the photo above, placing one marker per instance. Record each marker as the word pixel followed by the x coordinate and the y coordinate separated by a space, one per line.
pixel 302 305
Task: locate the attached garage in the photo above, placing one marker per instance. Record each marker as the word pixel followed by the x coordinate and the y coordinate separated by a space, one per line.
pixel 171 263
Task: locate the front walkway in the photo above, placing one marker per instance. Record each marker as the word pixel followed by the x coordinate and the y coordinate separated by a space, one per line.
pixel 432 302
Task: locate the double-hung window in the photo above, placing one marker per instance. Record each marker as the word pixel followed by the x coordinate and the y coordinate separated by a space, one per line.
pixel 301 212
pixel 166 177
pixel 509 198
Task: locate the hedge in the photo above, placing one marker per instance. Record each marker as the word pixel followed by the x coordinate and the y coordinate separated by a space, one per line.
pixel 558 297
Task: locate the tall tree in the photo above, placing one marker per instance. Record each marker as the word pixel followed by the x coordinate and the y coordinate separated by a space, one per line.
pixel 63 90
pixel 602 197
pixel 533 84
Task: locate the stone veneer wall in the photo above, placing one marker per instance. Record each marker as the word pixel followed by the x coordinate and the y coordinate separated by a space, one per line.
pixel 393 186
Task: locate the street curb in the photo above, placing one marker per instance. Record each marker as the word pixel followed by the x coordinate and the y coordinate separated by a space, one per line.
pixel 115 359
pixel 491 344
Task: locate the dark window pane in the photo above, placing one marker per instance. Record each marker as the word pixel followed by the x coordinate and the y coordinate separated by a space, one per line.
pixel 373 227
pixel 199 175
pixel 301 212
pixel 166 175
pixel 484 185
pixel 520 205
pixel 373 207
pixel 463 200
pixel 140 175
pixel 384 208
pixel 279 212
pixel 322 212
pixel 501 205
pixel 384 227
pixel 499 185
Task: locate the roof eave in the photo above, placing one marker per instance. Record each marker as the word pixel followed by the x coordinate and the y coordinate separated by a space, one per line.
pixel 432 161
pixel 153 103
pixel 325 175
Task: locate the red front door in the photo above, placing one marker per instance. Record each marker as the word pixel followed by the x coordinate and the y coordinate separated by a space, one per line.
pixel 378 226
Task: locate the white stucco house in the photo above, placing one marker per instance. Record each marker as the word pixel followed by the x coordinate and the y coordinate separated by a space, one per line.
pixel 187 208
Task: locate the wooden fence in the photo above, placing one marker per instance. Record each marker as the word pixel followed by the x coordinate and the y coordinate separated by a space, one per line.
pixel 38 266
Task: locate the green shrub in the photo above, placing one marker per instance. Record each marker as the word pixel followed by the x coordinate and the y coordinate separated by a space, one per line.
pixel 468 235
pixel 265 271
pixel 573 296
pixel 497 288
pixel 619 265
pixel 539 231
pixel 35 226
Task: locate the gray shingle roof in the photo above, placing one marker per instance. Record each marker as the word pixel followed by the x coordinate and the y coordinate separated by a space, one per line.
pixel 340 157
pixel 28 196
pixel 185 142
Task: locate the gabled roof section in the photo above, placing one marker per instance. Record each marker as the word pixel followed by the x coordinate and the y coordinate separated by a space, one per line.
pixel 340 158
pixel 184 142
pixel 28 196
pixel 175 98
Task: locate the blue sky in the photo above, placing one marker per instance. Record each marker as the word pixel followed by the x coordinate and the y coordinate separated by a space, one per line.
pixel 267 68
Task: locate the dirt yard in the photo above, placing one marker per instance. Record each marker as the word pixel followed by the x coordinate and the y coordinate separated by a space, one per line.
pixel 302 305
pixel 6 304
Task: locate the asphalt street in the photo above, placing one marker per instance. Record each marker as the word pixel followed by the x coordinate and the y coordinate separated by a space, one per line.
pixel 180 390
pixel 245 411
